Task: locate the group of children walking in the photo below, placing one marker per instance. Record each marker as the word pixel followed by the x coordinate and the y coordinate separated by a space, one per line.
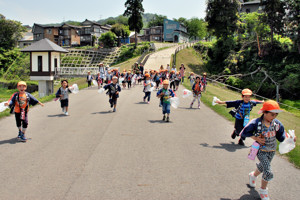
pixel 264 130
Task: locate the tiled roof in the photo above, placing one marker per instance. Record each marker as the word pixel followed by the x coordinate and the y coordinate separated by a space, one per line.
pixel 44 45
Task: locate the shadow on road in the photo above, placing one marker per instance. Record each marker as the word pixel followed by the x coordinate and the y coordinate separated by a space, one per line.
pixel 58 115
pixel 228 147
pixel 253 195
pixel 10 141
pixel 187 108
pixel 102 113
pixel 159 121
pixel 141 102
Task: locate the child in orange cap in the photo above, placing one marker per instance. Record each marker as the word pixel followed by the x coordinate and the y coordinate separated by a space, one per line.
pixel 197 89
pixel 172 80
pixel 192 78
pixel 241 112
pixel 165 94
pixel 19 103
pixel 156 79
pixel 147 88
pixel 265 130
pixel 177 80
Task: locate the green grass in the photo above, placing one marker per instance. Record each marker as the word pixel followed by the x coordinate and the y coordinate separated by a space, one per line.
pixel 289 118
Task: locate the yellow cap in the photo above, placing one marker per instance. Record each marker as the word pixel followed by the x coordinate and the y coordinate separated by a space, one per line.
pixel 22 83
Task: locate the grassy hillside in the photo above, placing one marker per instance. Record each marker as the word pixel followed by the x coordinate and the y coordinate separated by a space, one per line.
pixel 193 62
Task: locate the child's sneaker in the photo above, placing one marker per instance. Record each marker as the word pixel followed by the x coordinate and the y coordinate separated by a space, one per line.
pixel 264 194
pixel 233 135
pixel 23 138
pixel 191 106
pixel 252 179
pixel 20 134
pixel 144 99
pixel 114 110
pixel 164 117
pixel 168 119
pixel 241 142
pixel 198 106
pixel 148 102
pixel 66 113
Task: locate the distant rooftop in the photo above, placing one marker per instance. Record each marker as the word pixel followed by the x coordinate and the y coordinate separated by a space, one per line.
pixel 44 45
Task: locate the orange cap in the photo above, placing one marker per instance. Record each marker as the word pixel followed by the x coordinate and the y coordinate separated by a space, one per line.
pixel 172 71
pixel 246 92
pixel 271 106
pixel 22 83
pixel 165 82
pixel 147 75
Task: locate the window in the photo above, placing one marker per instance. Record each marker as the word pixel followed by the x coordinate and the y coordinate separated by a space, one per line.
pixel 171 26
pixel 40 63
pixel 49 31
pixel 55 62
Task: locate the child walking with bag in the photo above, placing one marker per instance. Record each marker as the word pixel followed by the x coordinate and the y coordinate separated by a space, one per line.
pixel 19 104
pixel 113 91
pixel 241 112
pixel 166 94
pixel 265 130
pixel 63 95
pixel 147 88
pixel 197 89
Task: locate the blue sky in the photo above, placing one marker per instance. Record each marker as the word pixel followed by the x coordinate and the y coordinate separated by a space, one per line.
pixel 43 12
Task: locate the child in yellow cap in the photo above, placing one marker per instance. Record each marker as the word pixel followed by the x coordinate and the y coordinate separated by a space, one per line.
pixel 241 112
pixel 19 104
pixel 265 130
pixel 165 94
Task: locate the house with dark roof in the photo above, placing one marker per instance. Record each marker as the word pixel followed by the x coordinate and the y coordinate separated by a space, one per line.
pixel 70 35
pixel 155 33
pixel 91 31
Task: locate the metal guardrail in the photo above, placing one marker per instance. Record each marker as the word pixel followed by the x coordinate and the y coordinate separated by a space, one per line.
pixel 78 71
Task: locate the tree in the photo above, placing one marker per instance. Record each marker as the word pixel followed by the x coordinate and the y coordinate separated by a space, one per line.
pixel 10 32
pixel 274 13
pixel 121 31
pixel 292 21
pixel 157 20
pixel 108 39
pixel 183 21
pixel 134 10
pixel 196 28
pixel 222 16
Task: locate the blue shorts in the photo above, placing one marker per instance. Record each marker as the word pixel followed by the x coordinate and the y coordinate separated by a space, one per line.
pixel 166 108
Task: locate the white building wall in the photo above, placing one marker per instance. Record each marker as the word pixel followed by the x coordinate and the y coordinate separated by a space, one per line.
pixel 53 56
pixel 35 61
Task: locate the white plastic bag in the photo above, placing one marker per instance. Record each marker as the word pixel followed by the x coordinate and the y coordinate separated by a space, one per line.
pixel 74 89
pixel 3 107
pixel 153 86
pixel 288 144
pixel 214 101
pixel 101 90
pixel 120 80
pixel 174 102
pixel 186 93
pixel 95 83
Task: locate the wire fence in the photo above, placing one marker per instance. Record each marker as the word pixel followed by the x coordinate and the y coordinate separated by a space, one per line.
pixel 256 95
pixel 228 86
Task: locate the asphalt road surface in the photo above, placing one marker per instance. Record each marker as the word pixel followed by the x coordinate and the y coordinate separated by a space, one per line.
pixel 131 154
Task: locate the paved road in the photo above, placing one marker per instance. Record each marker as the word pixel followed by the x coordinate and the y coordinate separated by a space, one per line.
pixel 159 58
pixel 130 154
